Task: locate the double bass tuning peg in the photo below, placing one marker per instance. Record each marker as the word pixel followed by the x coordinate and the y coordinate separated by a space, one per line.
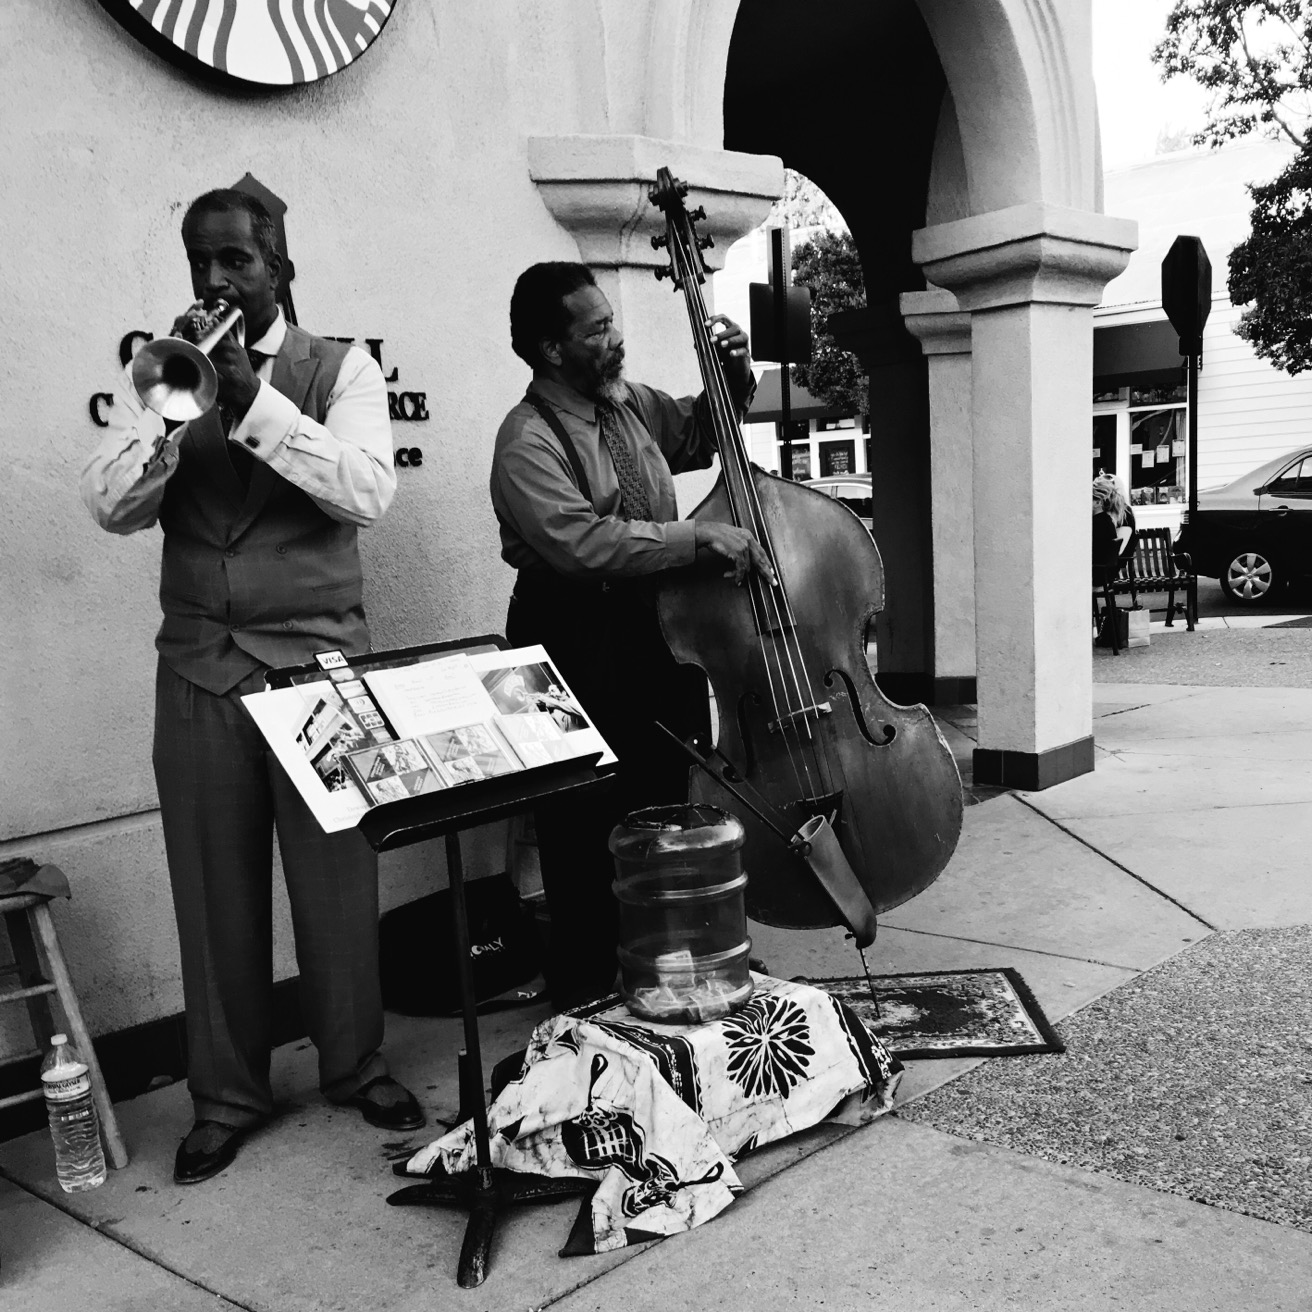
pixel 698 214
pixel 659 239
pixel 705 243
pixel 663 272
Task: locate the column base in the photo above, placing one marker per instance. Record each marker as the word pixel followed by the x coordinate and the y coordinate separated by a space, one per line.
pixel 911 689
pixel 955 692
pixel 1033 771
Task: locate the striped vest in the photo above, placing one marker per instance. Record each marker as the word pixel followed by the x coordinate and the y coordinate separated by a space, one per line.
pixel 261 576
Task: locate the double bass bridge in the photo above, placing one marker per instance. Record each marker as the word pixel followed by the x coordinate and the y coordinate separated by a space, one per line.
pixel 796 719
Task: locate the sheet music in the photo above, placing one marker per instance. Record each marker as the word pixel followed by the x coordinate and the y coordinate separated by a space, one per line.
pixel 431 696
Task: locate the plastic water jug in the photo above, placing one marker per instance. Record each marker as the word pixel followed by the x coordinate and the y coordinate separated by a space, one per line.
pixel 683 924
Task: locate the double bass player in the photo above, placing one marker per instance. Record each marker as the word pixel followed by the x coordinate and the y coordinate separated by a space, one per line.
pixel 581 486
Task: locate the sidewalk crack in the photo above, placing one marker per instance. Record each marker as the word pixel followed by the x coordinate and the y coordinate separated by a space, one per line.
pixel 1011 947
pixel 1070 833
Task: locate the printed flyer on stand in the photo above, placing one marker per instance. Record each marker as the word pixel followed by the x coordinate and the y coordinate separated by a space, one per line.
pixel 356 739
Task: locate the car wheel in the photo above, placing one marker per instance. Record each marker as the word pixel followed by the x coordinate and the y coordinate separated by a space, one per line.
pixel 1250 578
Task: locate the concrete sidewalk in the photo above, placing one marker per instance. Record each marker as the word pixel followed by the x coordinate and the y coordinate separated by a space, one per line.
pixel 1081 888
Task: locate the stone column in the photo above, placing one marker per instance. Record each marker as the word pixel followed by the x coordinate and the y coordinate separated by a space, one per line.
pixel 596 187
pixel 943 330
pixel 1030 276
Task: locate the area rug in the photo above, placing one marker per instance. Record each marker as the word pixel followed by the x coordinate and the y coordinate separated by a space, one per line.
pixel 950 1013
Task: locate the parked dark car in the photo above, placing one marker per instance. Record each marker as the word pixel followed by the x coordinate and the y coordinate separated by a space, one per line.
pixel 853 490
pixel 1255 535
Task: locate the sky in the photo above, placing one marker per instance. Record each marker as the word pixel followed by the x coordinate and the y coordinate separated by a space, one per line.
pixel 1134 105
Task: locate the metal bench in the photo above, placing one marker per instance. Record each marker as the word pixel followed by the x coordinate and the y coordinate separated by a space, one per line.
pixel 1156 566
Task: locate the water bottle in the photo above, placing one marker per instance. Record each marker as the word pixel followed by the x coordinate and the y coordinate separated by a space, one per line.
pixel 74 1125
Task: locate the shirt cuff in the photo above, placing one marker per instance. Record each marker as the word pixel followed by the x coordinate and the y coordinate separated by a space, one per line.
pixel 681 542
pixel 270 421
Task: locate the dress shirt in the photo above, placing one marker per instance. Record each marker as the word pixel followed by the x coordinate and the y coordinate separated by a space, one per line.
pixel 344 464
pixel 547 523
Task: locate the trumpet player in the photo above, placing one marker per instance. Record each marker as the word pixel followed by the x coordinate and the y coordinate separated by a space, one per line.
pixel 259 499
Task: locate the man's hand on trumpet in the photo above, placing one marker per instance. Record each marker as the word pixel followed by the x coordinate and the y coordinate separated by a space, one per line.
pixel 238 382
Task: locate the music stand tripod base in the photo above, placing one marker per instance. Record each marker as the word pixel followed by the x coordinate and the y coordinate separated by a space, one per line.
pixel 483 1191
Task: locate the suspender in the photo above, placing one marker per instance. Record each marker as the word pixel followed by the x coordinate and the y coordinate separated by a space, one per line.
pixel 563 437
pixel 554 583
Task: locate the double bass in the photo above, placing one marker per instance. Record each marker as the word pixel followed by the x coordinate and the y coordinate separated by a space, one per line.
pixel 804 731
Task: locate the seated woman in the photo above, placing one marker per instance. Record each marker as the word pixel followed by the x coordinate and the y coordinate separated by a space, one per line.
pixel 1106 544
pixel 1107 490
pixel 1107 551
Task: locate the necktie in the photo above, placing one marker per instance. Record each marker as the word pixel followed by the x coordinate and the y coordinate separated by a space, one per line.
pixel 633 495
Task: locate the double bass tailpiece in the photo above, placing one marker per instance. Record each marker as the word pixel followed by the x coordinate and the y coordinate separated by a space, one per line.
pixel 814 844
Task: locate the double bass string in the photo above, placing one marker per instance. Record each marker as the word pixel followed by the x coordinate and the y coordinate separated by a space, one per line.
pixel 763 598
pixel 722 410
pixel 713 379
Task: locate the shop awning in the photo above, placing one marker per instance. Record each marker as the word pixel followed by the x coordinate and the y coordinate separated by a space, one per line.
pixel 1136 355
pixel 767 404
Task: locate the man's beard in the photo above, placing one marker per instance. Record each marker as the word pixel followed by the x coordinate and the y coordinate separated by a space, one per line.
pixel 608 384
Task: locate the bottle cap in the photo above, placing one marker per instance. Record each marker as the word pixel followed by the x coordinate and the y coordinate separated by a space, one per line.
pixel 57 1039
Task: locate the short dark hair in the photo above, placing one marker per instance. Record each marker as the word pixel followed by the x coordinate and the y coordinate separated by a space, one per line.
pixel 227 201
pixel 537 305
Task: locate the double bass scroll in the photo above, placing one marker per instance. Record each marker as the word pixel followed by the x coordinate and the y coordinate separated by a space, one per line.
pixel 802 721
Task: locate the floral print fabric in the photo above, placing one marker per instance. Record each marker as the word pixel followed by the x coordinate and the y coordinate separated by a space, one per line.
pixel 657 1113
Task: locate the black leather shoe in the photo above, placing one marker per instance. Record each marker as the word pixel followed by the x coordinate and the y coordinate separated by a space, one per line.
pixel 396 1114
pixel 216 1146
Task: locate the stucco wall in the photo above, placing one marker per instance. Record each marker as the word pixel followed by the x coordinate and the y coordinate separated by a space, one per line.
pixel 411 211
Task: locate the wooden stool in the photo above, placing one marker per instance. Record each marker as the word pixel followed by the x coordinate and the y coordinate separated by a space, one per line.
pixel 27 919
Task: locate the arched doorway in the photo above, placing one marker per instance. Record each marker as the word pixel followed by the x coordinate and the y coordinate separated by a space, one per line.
pixel 849 94
pixel 960 141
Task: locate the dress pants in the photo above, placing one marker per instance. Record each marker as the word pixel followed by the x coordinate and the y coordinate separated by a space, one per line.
pixel 607 644
pixel 221 791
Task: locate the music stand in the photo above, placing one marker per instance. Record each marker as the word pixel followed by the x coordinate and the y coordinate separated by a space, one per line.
pixel 484 1190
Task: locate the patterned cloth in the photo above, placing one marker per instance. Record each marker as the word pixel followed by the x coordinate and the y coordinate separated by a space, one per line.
pixel 657 1113
pixel 633 496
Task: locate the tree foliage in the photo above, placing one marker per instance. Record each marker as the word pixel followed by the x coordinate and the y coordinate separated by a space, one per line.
pixel 829 265
pixel 804 205
pixel 1272 269
pixel 1255 57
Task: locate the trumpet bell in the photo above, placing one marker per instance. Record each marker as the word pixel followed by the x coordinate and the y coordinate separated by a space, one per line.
pixel 173 376
pixel 175 379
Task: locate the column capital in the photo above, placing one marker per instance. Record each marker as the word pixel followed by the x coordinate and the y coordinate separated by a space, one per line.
pixel 596 188
pixel 1024 254
pixel 936 321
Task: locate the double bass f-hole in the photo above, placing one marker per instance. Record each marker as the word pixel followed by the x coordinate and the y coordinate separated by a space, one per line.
pixel 804 728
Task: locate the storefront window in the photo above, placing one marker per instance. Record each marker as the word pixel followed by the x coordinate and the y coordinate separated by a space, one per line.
pixel 1157 456
pixel 1104 444
pixel 795 460
pixel 1159 395
pixel 837 458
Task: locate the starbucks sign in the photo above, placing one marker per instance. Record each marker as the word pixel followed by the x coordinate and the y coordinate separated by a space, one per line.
pixel 271 43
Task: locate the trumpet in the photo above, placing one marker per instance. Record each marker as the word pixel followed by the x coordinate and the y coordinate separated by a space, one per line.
pixel 173 375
